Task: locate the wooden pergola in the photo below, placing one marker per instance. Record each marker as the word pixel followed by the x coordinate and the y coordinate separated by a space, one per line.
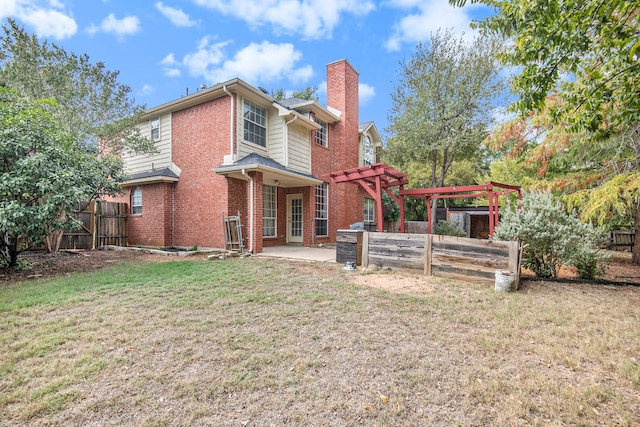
pixel 374 179
pixel 380 176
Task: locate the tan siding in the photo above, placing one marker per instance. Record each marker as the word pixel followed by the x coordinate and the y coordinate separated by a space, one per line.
pixel 299 149
pixel 162 159
pixel 275 137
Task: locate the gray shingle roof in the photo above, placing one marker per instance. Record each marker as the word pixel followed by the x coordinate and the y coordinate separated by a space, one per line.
pixel 166 172
pixel 255 159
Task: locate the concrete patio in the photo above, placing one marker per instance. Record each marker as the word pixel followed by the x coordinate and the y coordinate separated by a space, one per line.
pixel 324 254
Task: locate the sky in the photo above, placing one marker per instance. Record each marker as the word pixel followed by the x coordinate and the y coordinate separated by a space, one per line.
pixel 164 48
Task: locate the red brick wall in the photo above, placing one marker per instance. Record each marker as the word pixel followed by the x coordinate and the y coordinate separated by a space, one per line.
pixel 346 203
pixel 200 139
pixel 153 226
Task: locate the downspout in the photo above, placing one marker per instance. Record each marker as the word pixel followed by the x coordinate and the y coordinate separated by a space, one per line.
pixel 286 140
pixel 224 88
pixel 250 210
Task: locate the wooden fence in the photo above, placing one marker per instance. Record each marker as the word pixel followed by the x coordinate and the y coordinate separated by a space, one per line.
pixel 103 223
pixel 457 257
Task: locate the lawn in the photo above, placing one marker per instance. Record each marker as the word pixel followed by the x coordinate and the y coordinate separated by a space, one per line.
pixel 260 342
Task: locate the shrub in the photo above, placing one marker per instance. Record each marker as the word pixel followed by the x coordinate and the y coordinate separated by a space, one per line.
pixel 449 228
pixel 551 237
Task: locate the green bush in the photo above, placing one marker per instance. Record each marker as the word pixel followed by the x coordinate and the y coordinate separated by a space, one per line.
pixel 550 237
pixel 449 228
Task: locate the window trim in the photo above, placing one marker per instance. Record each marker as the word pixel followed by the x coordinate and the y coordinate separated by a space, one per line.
pixel 248 109
pixel 274 218
pixel 369 214
pixel 321 209
pixel 152 128
pixel 136 201
pixel 321 136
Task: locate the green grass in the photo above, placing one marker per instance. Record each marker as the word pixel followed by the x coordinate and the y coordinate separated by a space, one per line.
pixel 273 342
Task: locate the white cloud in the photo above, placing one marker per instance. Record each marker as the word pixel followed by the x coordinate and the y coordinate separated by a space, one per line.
pixel 119 27
pixel 170 66
pixel 255 63
pixel 48 19
pixel 146 90
pixel 365 93
pixel 427 17
pixel 311 19
pixel 176 16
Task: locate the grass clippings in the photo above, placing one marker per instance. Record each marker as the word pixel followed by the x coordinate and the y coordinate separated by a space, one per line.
pixel 259 342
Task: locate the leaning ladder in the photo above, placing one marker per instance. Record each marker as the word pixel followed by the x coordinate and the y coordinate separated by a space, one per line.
pixel 233 227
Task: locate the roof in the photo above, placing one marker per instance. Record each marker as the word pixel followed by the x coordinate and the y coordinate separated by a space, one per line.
pixel 155 175
pixel 271 169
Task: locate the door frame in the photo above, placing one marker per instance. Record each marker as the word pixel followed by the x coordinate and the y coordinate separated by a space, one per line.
pixel 289 237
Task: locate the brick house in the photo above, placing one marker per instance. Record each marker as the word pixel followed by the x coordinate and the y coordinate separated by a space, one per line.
pixel 232 148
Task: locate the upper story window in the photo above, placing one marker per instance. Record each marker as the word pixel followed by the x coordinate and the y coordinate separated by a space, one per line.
pixel 320 135
pixel 368 152
pixel 154 124
pixel 255 124
pixel 136 201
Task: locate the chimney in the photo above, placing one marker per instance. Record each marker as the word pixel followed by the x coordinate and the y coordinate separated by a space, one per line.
pixel 342 95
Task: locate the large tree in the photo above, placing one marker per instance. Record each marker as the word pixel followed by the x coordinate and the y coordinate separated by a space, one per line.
pixel 42 173
pixel 585 53
pixel 442 104
pixel 90 105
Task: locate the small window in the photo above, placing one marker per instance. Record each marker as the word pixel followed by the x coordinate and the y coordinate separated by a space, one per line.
pixel 255 124
pixel 155 129
pixel 320 135
pixel 269 209
pixel 369 211
pixel 136 201
pixel 322 211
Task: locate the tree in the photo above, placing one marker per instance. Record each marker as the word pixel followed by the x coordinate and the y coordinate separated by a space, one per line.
pixel 90 104
pixel 442 104
pixel 309 93
pixel 41 173
pixel 585 54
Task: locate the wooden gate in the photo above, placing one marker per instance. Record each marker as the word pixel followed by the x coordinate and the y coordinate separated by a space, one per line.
pixel 103 223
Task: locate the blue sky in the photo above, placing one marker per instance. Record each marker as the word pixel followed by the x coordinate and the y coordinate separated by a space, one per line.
pixel 161 48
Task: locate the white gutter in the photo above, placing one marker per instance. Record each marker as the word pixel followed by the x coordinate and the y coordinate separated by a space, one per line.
pixel 224 88
pixel 251 191
pixel 286 140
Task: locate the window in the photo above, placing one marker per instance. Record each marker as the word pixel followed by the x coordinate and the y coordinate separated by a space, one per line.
pixel 136 201
pixel 322 211
pixel 268 211
pixel 154 124
pixel 255 124
pixel 369 152
pixel 369 211
pixel 320 135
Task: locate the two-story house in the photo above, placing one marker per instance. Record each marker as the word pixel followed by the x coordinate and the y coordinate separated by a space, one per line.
pixel 231 149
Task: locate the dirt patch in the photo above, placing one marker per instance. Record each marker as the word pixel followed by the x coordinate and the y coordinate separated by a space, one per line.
pixel 37 264
pixel 42 264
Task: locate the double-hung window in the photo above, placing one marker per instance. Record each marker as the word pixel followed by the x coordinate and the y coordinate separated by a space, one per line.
pixel 322 209
pixel 136 201
pixel 269 209
pixel 320 135
pixel 255 124
pixel 369 211
pixel 154 125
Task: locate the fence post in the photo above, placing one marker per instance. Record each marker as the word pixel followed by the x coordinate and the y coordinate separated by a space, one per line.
pixel 427 254
pixel 365 249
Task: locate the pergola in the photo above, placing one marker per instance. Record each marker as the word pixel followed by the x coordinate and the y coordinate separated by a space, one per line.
pixel 380 176
pixel 374 179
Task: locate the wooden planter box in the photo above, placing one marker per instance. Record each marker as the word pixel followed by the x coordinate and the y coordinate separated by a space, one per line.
pixel 349 246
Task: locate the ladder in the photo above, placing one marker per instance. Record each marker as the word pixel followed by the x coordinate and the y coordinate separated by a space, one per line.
pixel 233 233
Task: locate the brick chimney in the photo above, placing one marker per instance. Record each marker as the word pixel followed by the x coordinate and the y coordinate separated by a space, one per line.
pixel 342 95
